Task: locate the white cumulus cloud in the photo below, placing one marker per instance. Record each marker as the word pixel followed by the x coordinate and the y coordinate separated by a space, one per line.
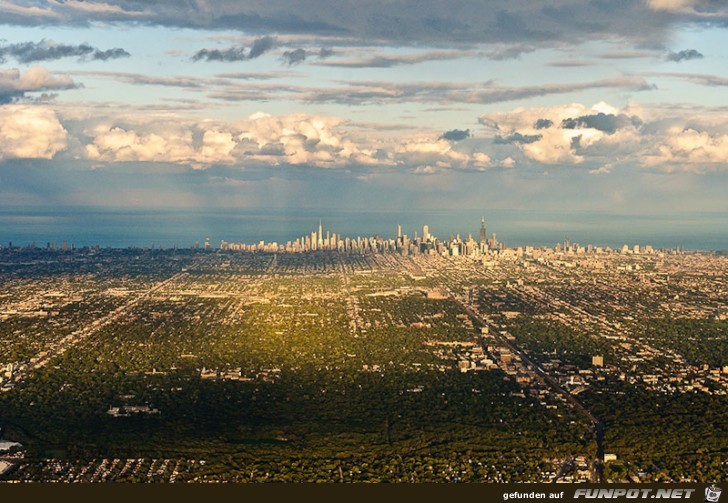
pixel 30 132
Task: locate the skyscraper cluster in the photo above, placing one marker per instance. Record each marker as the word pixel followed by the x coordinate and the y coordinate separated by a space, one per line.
pixel 425 244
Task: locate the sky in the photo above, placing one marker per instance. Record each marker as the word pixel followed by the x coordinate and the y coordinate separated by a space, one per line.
pixel 615 106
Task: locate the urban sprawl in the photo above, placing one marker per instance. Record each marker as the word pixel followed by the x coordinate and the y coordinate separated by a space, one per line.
pixel 363 359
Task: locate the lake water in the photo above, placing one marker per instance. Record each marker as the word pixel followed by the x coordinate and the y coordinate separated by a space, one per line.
pixel 122 228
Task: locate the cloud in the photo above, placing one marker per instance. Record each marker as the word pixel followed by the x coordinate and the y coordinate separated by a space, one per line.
pixel 375 92
pixel 221 86
pixel 517 138
pixel 261 139
pixel 591 137
pixel 672 5
pixel 230 54
pixel 500 52
pixel 187 82
pixel 697 78
pixel 253 75
pixel 602 137
pixel 14 85
pixel 609 123
pixel 47 50
pixel 30 132
pixel 110 54
pixel 426 156
pixel 690 149
pixel 294 57
pixel 456 135
pixel 695 11
pixel 571 63
pixel 684 55
pixel 260 46
pixel 627 54
pixel 325 53
pixel 389 60
pixel 502 94
pixel 264 140
pixel 425 22
pixel 114 143
pixel 253 92
pixel 583 134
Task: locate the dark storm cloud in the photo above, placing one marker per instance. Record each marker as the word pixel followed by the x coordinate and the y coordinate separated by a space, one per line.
pixel 609 123
pixel 543 124
pixel 294 57
pixel 47 50
pixel 408 22
pixel 684 55
pixel 516 138
pixel 456 135
pixel 259 47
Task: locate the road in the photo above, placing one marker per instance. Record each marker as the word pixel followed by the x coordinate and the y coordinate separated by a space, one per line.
pixel 352 308
pixel 76 337
pixel 597 425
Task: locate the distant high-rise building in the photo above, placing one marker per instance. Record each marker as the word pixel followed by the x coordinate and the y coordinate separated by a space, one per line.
pixel 426 232
pixel 399 232
pixel 482 231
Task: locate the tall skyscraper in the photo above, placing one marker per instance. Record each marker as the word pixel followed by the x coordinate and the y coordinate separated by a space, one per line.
pixel 426 232
pixel 482 231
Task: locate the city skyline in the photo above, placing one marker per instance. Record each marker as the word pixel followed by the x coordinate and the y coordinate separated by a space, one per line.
pixel 168 228
pixel 567 107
